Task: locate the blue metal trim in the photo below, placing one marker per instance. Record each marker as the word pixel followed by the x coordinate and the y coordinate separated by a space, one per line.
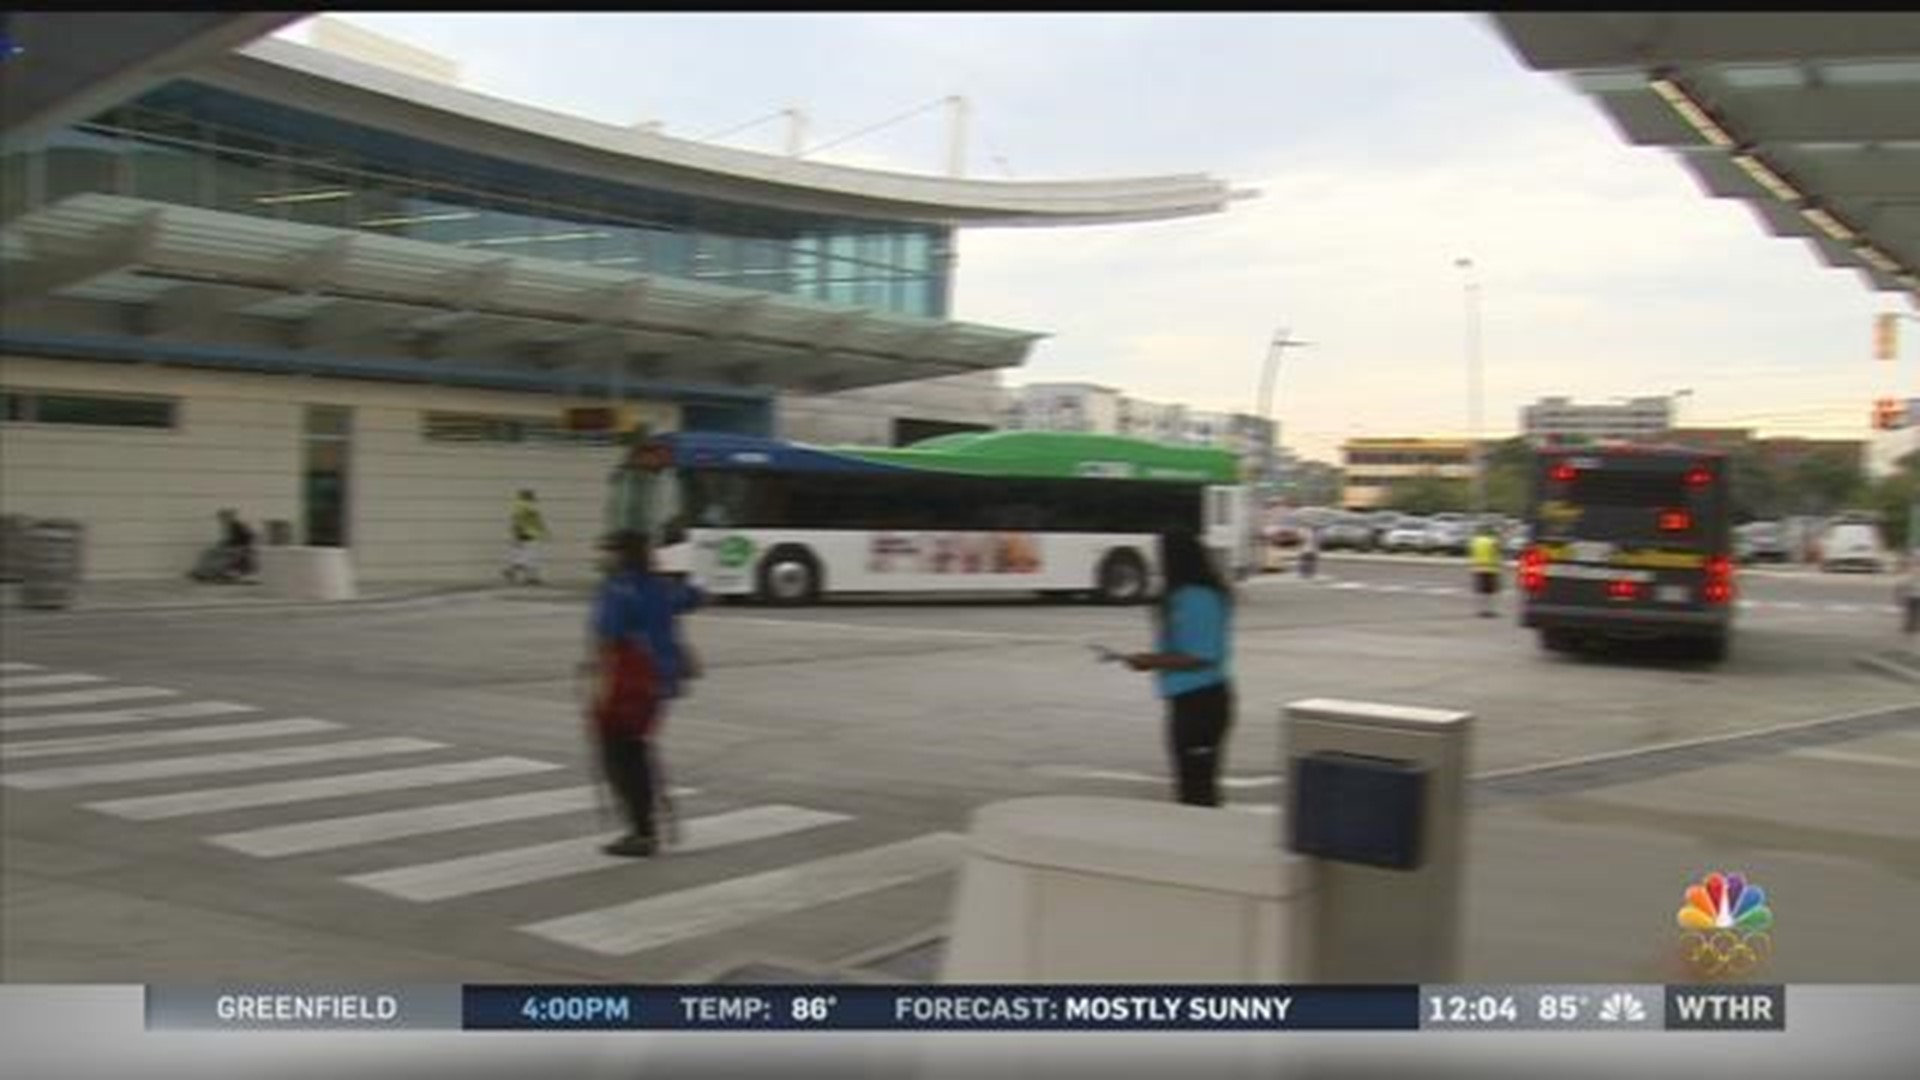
pixel 288 362
pixel 716 449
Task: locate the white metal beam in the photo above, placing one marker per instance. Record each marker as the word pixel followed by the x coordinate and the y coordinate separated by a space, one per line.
pixel 1564 41
pixel 116 248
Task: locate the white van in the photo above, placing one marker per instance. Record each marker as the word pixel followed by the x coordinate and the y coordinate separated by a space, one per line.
pixel 1853 545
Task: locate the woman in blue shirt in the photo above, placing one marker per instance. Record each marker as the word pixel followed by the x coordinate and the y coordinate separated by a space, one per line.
pixel 1193 665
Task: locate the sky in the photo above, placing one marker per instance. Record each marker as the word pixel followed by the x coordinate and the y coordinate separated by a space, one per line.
pixel 1385 147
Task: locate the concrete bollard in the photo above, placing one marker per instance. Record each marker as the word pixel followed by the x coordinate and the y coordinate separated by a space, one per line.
pixel 1065 889
pixel 306 573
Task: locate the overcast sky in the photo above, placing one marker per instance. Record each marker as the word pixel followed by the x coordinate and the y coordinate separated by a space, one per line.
pixel 1385 146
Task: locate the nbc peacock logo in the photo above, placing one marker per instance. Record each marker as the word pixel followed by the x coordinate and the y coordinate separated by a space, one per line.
pixel 1725 926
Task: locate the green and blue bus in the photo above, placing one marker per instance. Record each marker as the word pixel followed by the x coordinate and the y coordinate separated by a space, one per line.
pixel 1055 513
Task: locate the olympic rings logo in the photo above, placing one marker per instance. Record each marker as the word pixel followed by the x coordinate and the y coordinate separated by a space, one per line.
pixel 1725 952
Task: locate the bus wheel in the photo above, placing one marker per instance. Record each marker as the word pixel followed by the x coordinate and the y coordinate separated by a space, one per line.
pixel 789 575
pixel 1122 578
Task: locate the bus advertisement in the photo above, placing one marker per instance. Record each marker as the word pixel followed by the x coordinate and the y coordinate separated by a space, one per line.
pixel 1056 513
pixel 1630 542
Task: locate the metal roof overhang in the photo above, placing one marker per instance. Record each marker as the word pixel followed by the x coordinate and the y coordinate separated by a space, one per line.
pixel 74 64
pixel 1812 118
pixel 169 274
pixel 300 77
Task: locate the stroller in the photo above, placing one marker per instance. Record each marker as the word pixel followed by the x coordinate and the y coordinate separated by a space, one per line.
pixel 223 563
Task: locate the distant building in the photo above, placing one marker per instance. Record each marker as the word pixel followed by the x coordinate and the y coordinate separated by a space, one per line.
pixel 1103 410
pixel 1725 440
pixel 1375 467
pixel 1557 418
pixel 1064 406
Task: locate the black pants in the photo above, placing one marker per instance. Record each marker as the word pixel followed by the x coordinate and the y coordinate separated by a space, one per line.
pixel 629 765
pixel 1197 724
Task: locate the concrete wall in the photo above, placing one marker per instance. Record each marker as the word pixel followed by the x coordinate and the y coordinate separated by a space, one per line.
pixel 418 510
pixel 865 417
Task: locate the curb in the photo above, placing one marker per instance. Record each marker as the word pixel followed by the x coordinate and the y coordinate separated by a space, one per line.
pixel 262 606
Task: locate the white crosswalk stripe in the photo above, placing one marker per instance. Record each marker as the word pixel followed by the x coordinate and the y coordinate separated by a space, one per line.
pixel 1854 757
pixel 580 855
pixel 92 744
pixel 54 714
pixel 330 833
pixel 139 714
pixel 12 703
pixel 28 682
pixel 279 793
pixel 80 775
pixel 639 925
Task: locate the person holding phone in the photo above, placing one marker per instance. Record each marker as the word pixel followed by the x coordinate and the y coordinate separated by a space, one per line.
pixel 1193 665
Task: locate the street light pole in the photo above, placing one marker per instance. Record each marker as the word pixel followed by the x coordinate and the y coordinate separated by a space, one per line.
pixel 1474 451
pixel 1269 373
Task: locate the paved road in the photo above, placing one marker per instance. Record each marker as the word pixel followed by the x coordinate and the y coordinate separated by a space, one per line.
pixel 403 793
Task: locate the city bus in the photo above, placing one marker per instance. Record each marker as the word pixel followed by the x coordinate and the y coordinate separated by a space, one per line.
pixel 1630 542
pixel 1062 514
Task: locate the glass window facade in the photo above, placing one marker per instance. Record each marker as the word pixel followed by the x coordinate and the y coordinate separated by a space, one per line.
pixel 107 410
pixel 199 146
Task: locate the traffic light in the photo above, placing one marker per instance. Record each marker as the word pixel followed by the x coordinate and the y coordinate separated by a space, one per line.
pixel 1888 414
pixel 1886 336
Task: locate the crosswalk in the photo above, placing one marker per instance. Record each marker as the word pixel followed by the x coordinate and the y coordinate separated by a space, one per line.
pixel 191 761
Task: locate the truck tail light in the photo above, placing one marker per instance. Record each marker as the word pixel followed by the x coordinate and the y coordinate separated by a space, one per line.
pixel 1719 588
pixel 1533 569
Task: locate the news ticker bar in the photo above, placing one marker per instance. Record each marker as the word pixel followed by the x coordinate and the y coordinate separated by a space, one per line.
pixel 450 1007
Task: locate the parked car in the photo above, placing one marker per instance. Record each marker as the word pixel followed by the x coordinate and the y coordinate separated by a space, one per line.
pixel 1351 533
pixel 1762 541
pixel 1853 545
pixel 1409 535
pixel 1514 539
pixel 1448 534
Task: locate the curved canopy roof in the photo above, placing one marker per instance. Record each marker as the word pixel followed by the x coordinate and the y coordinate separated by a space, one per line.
pixel 311 79
pixel 311 297
pixel 1812 118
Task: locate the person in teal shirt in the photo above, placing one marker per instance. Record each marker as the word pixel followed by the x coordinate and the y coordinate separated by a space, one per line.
pixel 1193 665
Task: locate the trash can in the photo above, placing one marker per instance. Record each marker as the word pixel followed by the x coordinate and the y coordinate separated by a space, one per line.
pixel 279 533
pixel 50 563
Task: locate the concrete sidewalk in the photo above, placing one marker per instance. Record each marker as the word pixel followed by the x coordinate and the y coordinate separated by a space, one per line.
pixel 94 597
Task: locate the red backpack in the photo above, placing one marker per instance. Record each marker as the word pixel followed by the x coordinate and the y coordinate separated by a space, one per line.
pixel 629 693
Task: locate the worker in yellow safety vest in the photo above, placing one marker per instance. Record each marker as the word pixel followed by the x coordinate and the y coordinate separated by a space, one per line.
pixel 1483 552
pixel 528 529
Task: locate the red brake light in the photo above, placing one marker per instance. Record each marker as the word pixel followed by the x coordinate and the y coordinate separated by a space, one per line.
pixel 1564 473
pixel 1699 476
pixel 1719 587
pixel 1533 570
pixel 1675 521
pixel 1623 590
